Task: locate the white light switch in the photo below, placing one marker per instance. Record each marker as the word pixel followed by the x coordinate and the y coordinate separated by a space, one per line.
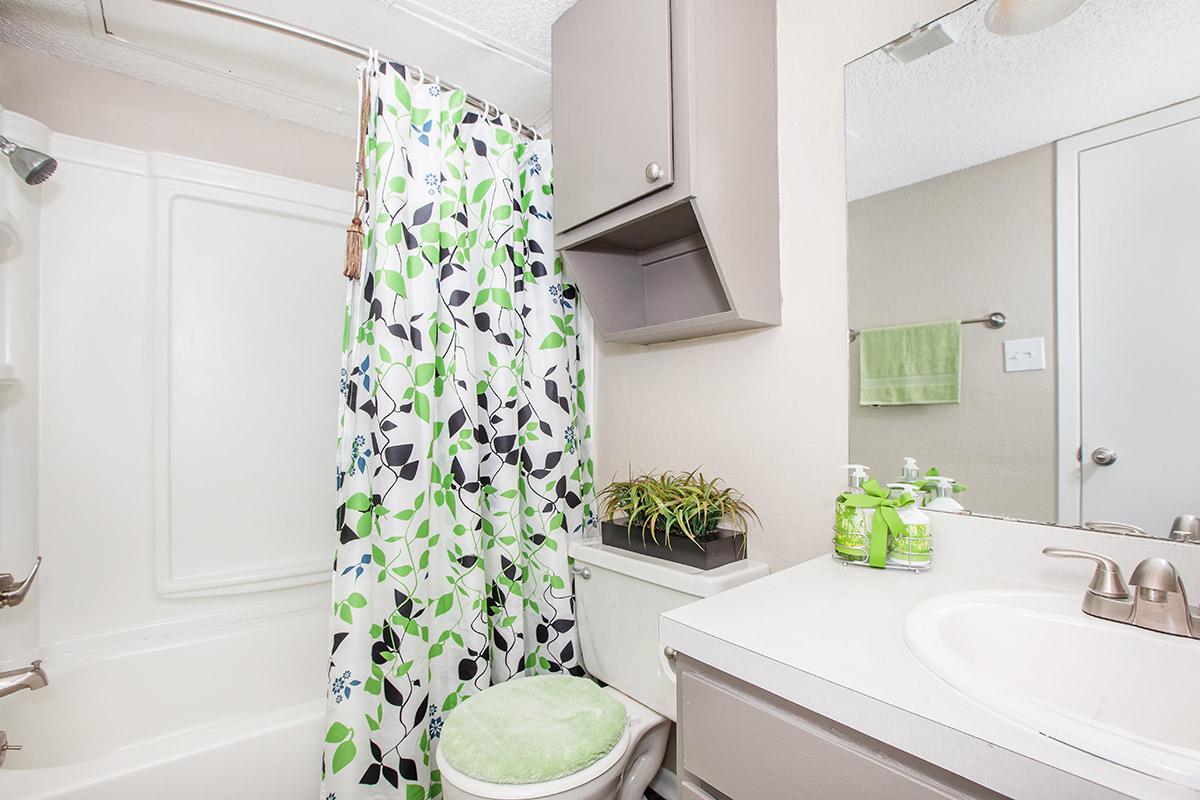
pixel 1024 355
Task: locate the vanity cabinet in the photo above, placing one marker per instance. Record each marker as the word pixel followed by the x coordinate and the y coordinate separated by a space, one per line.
pixel 666 165
pixel 737 742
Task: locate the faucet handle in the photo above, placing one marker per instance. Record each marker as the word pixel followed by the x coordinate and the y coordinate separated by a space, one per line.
pixel 1156 574
pixel 13 593
pixel 1107 580
pixel 5 747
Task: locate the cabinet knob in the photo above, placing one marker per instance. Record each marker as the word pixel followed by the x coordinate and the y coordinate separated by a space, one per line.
pixel 1104 456
pixel 653 171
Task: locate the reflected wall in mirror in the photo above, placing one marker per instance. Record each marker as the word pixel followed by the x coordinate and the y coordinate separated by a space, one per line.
pixel 1053 177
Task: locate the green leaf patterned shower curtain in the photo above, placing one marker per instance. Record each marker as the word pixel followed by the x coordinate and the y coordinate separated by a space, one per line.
pixel 463 469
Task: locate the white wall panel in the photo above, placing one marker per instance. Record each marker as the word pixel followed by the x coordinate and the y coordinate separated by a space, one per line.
pixel 250 303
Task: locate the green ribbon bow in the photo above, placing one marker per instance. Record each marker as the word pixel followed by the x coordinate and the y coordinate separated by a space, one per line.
pixel 928 482
pixel 886 518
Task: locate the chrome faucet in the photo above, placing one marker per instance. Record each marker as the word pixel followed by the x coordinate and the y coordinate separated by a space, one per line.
pixel 1158 601
pixel 31 677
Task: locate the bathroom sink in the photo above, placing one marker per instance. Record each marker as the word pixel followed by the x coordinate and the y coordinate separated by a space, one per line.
pixel 1112 690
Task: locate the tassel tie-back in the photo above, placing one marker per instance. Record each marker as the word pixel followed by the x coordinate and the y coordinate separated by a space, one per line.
pixel 885 520
pixel 354 232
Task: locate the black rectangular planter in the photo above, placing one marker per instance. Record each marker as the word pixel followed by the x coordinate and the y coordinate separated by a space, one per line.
pixel 727 547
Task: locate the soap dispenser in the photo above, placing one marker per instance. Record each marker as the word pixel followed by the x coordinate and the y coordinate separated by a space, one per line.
pixel 912 549
pixel 851 524
pixel 910 475
pixel 943 500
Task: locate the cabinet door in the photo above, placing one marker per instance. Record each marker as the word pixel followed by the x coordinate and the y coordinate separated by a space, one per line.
pixel 749 749
pixel 612 106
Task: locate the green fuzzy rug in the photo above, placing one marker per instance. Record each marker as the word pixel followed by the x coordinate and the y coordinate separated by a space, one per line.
pixel 530 730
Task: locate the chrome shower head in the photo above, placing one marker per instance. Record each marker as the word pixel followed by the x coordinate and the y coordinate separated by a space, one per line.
pixel 32 166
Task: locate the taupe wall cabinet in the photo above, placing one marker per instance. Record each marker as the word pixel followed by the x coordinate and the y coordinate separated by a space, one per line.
pixel 665 154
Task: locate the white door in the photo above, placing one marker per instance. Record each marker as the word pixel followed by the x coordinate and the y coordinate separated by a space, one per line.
pixel 1137 351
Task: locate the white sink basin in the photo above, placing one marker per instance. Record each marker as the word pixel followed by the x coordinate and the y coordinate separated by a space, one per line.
pixel 1127 695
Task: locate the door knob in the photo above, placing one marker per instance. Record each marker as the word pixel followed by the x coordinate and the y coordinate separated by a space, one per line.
pixel 1104 456
pixel 653 171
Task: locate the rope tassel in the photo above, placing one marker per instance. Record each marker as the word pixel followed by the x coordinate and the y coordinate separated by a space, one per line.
pixel 354 250
pixel 354 233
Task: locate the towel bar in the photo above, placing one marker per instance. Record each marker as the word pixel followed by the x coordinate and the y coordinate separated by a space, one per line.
pixel 993 320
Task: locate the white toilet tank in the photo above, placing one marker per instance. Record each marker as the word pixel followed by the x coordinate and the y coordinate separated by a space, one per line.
pixel 618 600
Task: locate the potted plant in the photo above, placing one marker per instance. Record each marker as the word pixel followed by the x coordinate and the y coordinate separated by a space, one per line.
pixel 677 517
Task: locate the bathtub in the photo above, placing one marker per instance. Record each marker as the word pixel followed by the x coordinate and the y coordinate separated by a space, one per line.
pixel 230 714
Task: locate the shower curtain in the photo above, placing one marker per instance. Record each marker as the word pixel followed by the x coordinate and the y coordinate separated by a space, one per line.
pixel 463 468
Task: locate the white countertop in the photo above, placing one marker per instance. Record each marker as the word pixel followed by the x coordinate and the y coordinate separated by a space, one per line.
pixel 830 637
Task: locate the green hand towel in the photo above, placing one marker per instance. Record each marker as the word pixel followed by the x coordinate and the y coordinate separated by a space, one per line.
pixel 910 364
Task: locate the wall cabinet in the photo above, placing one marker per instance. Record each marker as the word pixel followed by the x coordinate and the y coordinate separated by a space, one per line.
pixel 612 77
pixel 666 167
pixel 737 742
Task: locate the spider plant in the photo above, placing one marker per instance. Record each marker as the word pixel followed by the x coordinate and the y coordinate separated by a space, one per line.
pixel 682 504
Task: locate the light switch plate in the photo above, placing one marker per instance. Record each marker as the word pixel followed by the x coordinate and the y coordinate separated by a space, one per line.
pixel 1024 355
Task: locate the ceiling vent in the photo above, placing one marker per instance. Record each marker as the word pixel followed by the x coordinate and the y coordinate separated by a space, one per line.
pixel 918 44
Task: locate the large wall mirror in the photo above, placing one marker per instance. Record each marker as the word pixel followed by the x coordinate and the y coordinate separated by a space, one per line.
pixel 1028 175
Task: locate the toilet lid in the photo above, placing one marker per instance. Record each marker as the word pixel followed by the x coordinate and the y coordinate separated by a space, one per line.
pixel 524 791
pixel 532 730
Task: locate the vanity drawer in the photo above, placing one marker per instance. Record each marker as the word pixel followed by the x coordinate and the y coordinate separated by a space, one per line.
pixel 753 747
pixel 689 791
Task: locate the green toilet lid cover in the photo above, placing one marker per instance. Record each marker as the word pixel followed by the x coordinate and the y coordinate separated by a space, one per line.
pixel 530 730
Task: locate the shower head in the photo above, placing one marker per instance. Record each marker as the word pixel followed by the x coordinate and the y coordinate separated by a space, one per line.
pixel 32 166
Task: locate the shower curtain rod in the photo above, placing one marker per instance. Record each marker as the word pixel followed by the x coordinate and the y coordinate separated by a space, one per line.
pixel 295 31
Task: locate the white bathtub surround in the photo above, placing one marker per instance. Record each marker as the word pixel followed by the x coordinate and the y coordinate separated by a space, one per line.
pixel 233 712
pixel 145 511
pixel 831 639
pixel 464 466
pixel 182 620
pixel 20 218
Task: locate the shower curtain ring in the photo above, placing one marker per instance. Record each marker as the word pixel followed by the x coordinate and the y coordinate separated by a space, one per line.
pixel 421 73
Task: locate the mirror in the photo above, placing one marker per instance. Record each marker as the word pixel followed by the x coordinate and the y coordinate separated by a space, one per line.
pixel 1051 176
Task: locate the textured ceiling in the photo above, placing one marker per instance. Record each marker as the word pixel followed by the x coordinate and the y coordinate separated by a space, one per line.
pixel 497 49
pixel 989 96
pixel 521 24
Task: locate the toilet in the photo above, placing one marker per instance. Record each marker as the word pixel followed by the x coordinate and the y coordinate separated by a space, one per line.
pixel 618 596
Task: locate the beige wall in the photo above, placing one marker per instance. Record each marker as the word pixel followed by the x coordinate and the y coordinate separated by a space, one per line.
pixel 964 245
pixel 85 101
pixel 767 410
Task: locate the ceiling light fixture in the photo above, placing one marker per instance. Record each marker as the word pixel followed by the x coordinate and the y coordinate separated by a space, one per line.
pixel 1019 17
